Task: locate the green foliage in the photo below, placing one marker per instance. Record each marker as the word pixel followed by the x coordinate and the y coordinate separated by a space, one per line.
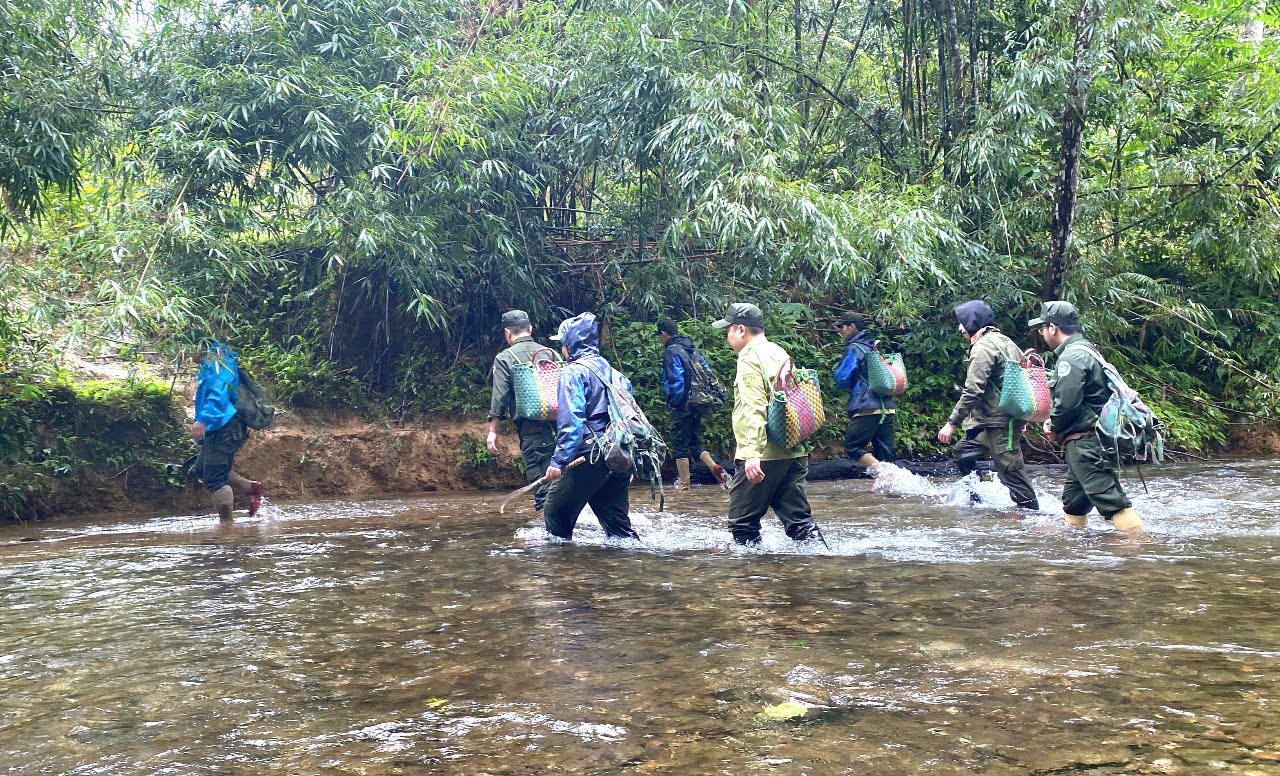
pixel 297 376
pixel 60 433
pixel 475 456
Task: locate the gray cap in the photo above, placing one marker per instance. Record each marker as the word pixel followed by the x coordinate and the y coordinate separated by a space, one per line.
pixel 512 318
pixel 1057 312
pixel 741 313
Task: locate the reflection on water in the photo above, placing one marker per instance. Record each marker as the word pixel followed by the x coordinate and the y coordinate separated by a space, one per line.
pixel 433 636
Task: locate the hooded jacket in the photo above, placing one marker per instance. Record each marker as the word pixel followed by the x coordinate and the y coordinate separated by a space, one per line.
pixel 217 387
pixel 851 373
pixel 584 402
pixel 677 369
pixel 979 404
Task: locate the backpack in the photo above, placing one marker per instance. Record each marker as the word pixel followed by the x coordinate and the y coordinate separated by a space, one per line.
pixel 706 393
pixel 630 444
pixel 252 403
pixel 886 374
pixel 1126 426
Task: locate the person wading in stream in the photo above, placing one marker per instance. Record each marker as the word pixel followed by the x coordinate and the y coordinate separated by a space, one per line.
pixel 987 430
pixel 870 416
pixel 582 416
pixel 1080 390
pixel 537 438
pixel 679 361
pixel 221 432
pixel 765 475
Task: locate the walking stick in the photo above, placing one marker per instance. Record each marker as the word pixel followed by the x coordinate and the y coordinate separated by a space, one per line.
pixel 511 496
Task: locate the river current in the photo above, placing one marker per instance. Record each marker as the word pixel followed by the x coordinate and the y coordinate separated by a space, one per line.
pixel 432 635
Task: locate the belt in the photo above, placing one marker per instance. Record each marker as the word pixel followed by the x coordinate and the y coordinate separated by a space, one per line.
pixel 1075 436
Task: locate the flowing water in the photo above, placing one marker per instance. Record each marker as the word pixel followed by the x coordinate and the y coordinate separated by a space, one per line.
pixel 432 635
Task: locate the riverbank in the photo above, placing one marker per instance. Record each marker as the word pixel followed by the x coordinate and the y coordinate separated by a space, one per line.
pixel 336 454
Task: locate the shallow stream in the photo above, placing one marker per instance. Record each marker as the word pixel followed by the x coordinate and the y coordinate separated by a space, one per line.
pixel 431 635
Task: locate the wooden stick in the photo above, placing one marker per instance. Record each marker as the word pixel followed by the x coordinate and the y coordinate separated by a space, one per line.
pixel 511 496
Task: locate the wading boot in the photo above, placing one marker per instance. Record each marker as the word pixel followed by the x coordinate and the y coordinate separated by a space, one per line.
pixel 717 471
pixel 224 501
pixel 682 467
pixel 871 462
pixel 1077 521
pixel 1126 520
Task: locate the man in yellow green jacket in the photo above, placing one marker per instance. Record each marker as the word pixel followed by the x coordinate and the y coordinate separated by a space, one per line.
pixel 765 475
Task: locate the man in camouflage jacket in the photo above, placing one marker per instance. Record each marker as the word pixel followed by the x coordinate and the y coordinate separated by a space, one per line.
pixel 988 430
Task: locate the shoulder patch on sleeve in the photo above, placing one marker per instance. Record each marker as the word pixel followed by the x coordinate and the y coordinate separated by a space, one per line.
pixel 1064 368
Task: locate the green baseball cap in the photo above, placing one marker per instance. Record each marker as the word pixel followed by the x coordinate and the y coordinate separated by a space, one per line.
pixel 513 318
pixel 1057 312
pixel 741 313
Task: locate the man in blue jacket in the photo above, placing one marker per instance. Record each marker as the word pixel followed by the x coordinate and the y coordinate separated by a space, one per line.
pixel 221 432
pixel 870 416
pixel 686 421
pixel 583 415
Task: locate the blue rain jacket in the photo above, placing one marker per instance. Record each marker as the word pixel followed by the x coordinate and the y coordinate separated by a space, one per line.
pixel 676 370
pixel 852 374
pixel 584 403
pixel 217 387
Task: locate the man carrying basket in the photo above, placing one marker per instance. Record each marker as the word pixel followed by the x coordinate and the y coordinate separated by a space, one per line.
pixel 766 475
pixel 537 437
pixel 988 429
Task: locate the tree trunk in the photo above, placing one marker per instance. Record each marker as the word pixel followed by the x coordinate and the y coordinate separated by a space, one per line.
pixel 1073 118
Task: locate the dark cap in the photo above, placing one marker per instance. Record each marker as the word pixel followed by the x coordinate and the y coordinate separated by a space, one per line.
pixel 741 313
pixel 513 318
pixel 1058 312
pixel 857 319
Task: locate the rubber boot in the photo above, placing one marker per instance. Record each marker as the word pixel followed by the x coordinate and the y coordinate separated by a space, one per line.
pixel 224 500
pixel 1077 521
pixel 873 465
pixel 682 466
pixel 1126 520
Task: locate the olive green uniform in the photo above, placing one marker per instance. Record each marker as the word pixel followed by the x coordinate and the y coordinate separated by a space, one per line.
pixel 537 439
pixel 1080 390
pixel 987 427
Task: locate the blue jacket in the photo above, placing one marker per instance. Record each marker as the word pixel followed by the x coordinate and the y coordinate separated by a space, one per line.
pixel 584 403
pixel 217 387
pixel 676 369
pixel 852 374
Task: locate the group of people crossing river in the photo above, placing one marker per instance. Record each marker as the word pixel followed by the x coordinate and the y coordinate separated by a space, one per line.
pixel 583 438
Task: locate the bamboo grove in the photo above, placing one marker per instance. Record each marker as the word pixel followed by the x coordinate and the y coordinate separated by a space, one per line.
pixel 354 189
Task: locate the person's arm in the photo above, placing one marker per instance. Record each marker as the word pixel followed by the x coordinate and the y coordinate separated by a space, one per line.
pixel 673 382
pixel 213 394
pixel 499 401
pixel 751 414
pixel 847 367
pixel 981 362
pixel 1068 394
pixel 571 417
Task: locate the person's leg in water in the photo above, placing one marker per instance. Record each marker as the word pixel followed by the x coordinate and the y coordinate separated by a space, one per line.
pixel 537 445
pixel 612 505
pixel 569 494
pixel 1010 467
pixel 790 502
pixel 1100 483
pixel 217 456
pixel 1075 503
pixel 863 429
pixel 246 489
pixel 684 442
pixel 748 503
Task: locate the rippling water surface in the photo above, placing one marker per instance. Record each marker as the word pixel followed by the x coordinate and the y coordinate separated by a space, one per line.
pixel 435 636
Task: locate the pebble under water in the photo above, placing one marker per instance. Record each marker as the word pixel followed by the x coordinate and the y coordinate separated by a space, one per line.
pixel 431 635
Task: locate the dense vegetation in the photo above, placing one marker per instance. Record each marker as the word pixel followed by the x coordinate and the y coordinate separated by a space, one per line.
pixel 353 190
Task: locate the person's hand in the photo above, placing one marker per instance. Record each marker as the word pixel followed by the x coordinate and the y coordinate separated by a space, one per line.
pixel 944 434
pixel 197 431
pixel 1048 432
pixel 553 473
pixel 491 442
pixel 754 472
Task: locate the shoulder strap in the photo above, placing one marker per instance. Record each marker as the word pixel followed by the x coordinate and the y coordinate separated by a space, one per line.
pixel 1111 372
